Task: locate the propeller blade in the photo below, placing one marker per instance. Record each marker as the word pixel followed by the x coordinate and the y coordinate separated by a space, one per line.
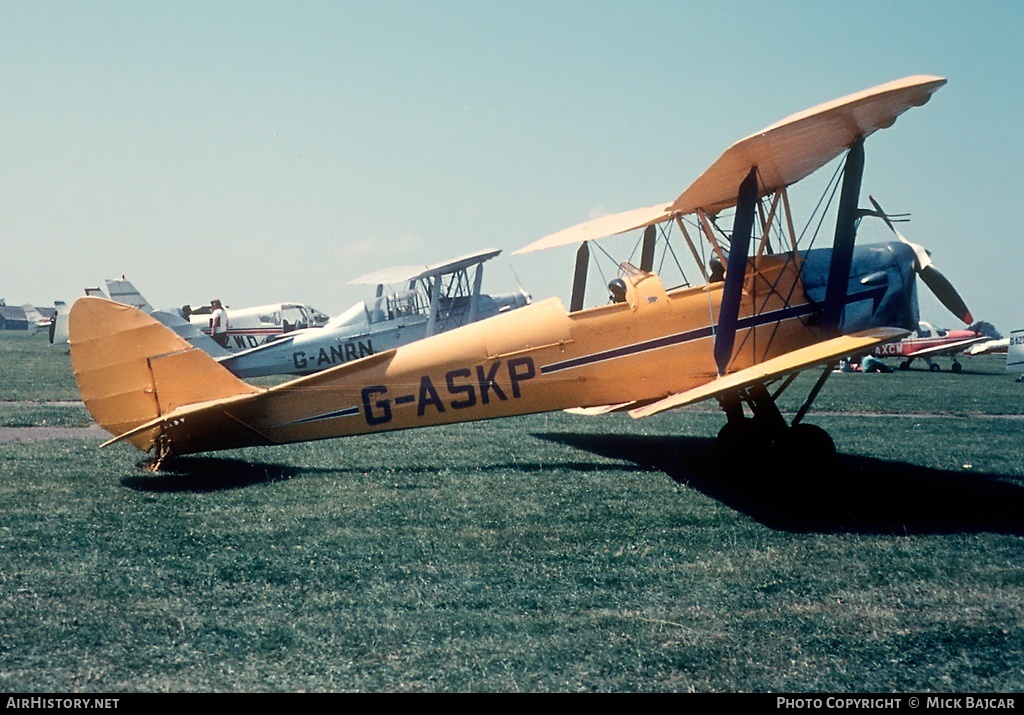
pixel 946 293
pixel 885 217
pixel 930 275
pixel 921 255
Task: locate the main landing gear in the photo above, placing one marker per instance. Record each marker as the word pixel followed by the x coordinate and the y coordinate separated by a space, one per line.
pixel 766 432
pixel 933 366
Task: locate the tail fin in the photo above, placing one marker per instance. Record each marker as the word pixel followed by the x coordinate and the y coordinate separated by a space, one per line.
pixel 123 291
pixel 131 369
pixel 1015 352
pixel 34 318
pixel 59 324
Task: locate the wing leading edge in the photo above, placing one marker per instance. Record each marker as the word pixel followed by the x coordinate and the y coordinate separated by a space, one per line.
pixel 404 274
pixel 787 364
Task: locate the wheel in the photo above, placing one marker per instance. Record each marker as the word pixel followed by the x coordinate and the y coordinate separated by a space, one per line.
pixel 734 435
pixel 934 367
pixel 905 365
pixel 810 445
pixel 957 367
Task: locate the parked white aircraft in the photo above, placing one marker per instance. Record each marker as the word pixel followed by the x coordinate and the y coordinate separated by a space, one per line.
pixel 247 327
pixel 410 303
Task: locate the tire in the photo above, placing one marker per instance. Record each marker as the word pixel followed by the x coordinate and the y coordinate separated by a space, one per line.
pixel 811 445
pixel 934 367
pixel 957 367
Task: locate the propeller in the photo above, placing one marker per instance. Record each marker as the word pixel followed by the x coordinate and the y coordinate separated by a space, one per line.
pixel 932 277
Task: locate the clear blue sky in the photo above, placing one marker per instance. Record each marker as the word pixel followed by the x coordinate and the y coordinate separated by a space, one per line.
pixel 262 151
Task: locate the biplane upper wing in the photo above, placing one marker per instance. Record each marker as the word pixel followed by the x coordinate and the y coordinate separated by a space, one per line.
pixel 609 225
pixel 802 143
pixel 404 274
pixel 783 153
pixel 795 361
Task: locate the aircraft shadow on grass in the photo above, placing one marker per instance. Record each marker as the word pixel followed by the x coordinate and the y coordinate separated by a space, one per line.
pixel 211 474
pixel 857 494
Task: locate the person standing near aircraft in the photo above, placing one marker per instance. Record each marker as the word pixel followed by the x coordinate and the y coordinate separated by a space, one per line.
pixel 219 323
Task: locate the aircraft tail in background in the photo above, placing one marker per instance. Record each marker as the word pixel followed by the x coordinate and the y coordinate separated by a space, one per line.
pixel 1015 354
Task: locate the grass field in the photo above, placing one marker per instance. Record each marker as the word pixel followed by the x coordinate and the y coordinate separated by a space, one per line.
pixel 544 553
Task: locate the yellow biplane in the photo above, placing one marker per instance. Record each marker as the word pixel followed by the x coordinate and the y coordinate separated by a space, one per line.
pixel 774 313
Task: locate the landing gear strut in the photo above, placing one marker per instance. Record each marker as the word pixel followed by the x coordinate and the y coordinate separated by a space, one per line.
pixel 162 450
pixel 767 431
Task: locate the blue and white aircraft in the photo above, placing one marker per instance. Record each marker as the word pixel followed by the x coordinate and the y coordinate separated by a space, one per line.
pixel 410 303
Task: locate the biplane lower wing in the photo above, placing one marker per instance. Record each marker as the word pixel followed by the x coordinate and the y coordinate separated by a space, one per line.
pixel 603 409
pixel 787 364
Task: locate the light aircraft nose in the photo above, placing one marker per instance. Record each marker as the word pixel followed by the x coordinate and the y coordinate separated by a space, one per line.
pixel 881 291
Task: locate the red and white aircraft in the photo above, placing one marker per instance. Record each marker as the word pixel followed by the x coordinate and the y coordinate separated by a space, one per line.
pixel 928 342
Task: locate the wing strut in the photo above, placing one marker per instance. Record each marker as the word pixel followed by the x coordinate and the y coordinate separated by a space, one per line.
pixel 474 301
pixel 435 300
pixel 735 272
pixel 829 367
pixel 842 247
pixel 647 252
pixel 579 281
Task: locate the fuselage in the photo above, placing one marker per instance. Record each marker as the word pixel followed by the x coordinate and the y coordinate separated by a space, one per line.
pixel 927 337
pixel 254 326
pixel 541 358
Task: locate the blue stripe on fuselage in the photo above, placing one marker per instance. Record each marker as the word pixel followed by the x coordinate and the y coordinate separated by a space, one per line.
pixel 775 316
pixel 346 412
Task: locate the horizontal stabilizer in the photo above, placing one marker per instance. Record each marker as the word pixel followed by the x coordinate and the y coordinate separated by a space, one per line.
pixel 186 330
pixel 795 361
pixel 159 423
